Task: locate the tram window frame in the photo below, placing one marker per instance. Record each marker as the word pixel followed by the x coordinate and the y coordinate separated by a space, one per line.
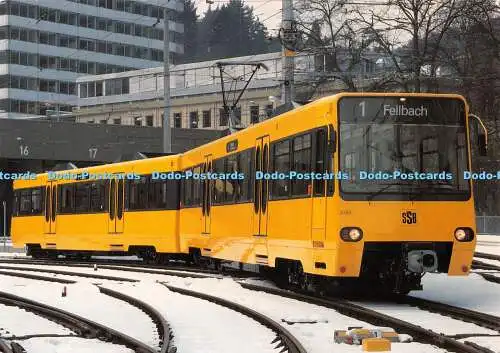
pixel 301 187
pixel 218 167
pixel 278 187
pixel 97 196
pixel 187 187
pixel 196 184
pixel 66 192
pixel 37 202
pixel 82 198
pixel 246 167
pixel 230 184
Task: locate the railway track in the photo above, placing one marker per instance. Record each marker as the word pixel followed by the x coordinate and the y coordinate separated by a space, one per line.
pixel 482 255
pixel 420 334
pixel 162 325
pixel 83 327
pixel 69 273
pixel 36 277
pixel 284 339
pixel 175 271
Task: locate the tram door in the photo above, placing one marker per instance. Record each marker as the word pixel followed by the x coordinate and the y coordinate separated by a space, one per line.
pixel 116 196
pixel 206 186
pixel 261 193
pixel 50 211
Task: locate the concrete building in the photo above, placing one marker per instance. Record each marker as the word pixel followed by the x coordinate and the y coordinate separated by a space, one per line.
pixel 136 97
pixel 45 45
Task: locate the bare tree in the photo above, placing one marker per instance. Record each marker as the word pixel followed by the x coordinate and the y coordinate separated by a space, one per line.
pixel 411 33
pixel 342 49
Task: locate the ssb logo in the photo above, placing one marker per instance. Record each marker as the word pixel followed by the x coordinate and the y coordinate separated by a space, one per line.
pixel 409 217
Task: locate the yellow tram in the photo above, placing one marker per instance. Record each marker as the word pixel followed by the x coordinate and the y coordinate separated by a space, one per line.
pixel 353 185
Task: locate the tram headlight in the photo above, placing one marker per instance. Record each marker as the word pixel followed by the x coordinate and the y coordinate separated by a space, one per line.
pixel 464 234
pixel 351 234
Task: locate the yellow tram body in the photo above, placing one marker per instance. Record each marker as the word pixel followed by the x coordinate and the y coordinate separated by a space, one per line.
pixel 299 222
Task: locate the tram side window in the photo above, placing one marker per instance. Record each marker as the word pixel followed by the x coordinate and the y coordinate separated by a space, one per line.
pixel 196 187
pixel 301 164
pixel 232 185
pixel 138 190
pixel 187 196
pixel 98 197
pixel 218 184
pixel 245 167
pixel 66 198
pixel 158 194
pixel 25 204
pixel 28 202
pixel 37 201
pixel 281 163
pixel 82 197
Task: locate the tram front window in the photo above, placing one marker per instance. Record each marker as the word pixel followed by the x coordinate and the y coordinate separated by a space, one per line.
pixel 403 148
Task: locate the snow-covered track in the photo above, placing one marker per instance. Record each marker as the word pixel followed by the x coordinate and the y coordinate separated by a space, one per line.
pixel 284 338
pixel 69 273
pixel 162 325
pixel 479 265
pixel 5 347
pixel 375 318
pixel 480 319
pixel 81 326
pixel 37 277
pixel 483 255
pixel 104 263
pixel 174 271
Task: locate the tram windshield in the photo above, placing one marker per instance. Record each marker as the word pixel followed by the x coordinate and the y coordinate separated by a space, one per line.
pixel 403 148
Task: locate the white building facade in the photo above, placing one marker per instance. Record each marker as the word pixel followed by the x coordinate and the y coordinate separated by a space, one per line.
pixel 45 45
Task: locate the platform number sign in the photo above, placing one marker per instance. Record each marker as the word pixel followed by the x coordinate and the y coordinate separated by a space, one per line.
pixel 409 217
pixel 92 153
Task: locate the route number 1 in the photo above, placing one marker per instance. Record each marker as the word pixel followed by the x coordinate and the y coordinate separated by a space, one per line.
pixel 363 108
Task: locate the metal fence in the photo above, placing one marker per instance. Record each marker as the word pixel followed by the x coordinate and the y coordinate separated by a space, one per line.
pixel 488 225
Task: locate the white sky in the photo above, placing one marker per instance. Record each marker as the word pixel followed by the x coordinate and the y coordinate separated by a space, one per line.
pixel 268 11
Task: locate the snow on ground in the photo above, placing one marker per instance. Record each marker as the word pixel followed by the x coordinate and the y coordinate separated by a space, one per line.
pixel 85 300
pixel 435 322
pixel 70 345
pixel 18 322
pixel 491 343
pixel 471 292
pixel 489 244
pixel 201 326
pixel 316 338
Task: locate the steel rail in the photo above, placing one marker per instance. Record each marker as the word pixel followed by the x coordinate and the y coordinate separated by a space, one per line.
pixel 286 340
pixel 78 324
pixel 162 325
pixel 373 317
pixel 37 277
pixel 69 273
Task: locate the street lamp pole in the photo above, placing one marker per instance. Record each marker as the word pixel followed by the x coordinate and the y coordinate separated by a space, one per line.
pixel 167 130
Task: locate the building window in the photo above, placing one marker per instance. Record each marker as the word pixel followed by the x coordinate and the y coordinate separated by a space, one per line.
pixel 177 120
pixel 137 121
pixel 254 114
pixel 223 117
pixel 117 121
pixel 207 118
pixel 149 120
pixel 104 121
pixel 269 110
pixel 193 120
